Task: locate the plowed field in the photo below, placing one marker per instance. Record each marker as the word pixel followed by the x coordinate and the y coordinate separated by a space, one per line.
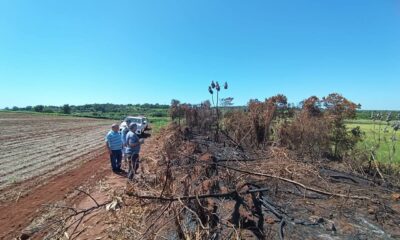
pixel 40 146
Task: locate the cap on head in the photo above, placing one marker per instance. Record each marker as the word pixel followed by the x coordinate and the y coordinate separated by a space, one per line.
pixel 132 125
pixel 114 125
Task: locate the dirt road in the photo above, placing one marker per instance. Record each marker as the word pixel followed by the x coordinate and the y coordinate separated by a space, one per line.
pixel 16 215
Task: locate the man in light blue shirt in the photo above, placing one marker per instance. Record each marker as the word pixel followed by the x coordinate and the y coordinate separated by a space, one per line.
pixel 114 147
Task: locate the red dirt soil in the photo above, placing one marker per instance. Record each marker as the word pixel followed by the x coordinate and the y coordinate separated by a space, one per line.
pixel 15 216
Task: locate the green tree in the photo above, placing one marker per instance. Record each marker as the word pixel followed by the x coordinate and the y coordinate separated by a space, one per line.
pixel 227 102
pixel 337 109
pixel 66 109
pixel 38 108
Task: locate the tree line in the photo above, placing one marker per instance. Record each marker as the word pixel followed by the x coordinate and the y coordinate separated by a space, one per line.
pixel 156 110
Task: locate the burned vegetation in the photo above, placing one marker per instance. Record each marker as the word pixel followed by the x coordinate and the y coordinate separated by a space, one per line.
pixel 269 171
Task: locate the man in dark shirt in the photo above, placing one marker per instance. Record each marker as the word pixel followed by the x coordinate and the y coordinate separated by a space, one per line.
pixel 132 150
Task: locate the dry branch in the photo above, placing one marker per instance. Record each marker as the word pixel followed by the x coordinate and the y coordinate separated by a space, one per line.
pixel 296 183
pixel 377 167
pixel 87 194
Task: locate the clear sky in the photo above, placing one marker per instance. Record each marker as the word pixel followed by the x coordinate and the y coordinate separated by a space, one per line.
pixel 93 51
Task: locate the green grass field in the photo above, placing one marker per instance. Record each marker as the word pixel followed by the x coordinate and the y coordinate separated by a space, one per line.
pixel 379 136
pixel 156 123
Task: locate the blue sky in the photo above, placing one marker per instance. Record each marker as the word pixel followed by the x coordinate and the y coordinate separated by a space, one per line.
pixel 93 51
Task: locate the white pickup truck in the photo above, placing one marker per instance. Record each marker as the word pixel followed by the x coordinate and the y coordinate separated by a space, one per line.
pixel 141 122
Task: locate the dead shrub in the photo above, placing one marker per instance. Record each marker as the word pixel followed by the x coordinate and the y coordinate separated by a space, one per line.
pixel 309 132
pixel 254 127
pixel 308 135
pixel 238 125
pixel 317 131
pixel 199 117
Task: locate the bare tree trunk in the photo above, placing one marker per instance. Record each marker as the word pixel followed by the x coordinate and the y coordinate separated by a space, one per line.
pixel 217 131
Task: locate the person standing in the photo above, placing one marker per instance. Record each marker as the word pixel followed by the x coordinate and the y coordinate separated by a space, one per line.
pixel 114 147
pixel 132 150
pixel 124 132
